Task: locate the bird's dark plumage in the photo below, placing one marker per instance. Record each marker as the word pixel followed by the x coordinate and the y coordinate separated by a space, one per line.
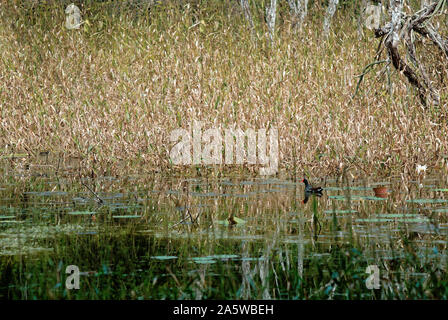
pixel 310 190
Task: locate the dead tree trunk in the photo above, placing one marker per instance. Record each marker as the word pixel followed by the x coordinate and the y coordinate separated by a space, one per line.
pixel 361 15
pixel 329 16
pixel 271 14
pixel 299 10
pixel 246 9
pixel 401 29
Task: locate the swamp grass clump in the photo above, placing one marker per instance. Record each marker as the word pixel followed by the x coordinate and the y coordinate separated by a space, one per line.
pixel 111 92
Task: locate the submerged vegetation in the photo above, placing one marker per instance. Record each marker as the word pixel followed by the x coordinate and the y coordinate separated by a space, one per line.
pixel 157 237
pixel 111 92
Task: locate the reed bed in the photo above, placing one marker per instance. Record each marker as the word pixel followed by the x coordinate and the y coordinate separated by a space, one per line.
pixel 111 92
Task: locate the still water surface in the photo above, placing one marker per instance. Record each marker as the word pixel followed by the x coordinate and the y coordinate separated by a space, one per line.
pixel 156 237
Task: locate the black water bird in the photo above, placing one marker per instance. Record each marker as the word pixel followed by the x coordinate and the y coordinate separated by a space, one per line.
pixel 309 190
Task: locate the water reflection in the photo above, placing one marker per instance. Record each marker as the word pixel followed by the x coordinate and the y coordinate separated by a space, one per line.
pixel 251 228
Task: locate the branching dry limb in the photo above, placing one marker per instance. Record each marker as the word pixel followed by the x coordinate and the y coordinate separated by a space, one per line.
pixel 401 27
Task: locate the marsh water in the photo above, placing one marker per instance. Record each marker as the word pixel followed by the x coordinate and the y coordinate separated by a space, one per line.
pixel 229 237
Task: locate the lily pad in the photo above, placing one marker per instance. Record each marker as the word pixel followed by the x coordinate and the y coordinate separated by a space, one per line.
pixel 427 201
pixel 347 188
pixel 164 257
pixel 127 217
pixel 80 213
pixel 252 259
pixel 47 193
pixel 375 184
pixel 223 256
pixel 373 198
pixel 412 220
pixel 398 215
pixel 203 260
pixel 357 198
pixel 340 211
pixel 343 198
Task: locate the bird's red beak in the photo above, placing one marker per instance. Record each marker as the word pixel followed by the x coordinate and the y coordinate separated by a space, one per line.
pixel 303 180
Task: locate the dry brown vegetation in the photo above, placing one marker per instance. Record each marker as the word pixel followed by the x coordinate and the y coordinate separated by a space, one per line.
pixel 112 91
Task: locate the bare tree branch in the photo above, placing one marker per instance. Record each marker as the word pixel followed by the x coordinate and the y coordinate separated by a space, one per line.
pixel 401 27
